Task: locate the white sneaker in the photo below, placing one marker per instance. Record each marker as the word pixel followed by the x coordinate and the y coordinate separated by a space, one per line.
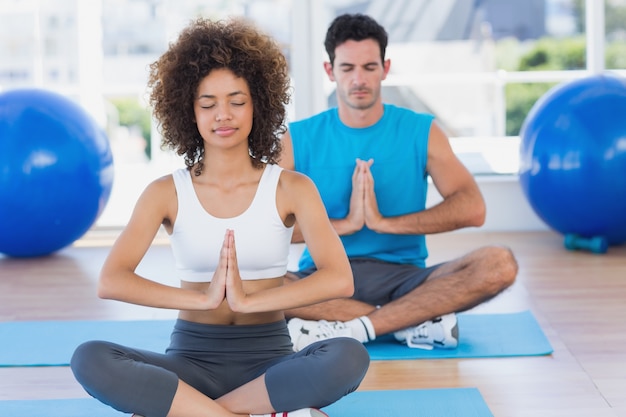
pixel 303 412
pixel 305 332
pixel 441 332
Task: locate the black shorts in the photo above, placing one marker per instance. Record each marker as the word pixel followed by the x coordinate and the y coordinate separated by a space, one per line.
pixel 378 282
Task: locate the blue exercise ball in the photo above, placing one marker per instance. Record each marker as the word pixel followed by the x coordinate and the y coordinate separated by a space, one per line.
pixel 573 157
pixel 56 172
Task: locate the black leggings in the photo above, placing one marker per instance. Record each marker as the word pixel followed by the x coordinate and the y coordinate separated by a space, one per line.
pixel 216 359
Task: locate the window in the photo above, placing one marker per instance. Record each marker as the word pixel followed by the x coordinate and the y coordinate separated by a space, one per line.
pixel 479 66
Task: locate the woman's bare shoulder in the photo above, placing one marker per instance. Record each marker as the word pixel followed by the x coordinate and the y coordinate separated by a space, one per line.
pixel 295 179
pixel 161 184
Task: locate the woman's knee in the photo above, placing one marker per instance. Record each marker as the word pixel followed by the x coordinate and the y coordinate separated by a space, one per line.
pixel 333 369
pixel 90 360
pixel 347 363
pixel 87 354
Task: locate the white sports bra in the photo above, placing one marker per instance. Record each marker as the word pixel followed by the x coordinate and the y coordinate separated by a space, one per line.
pixel 262 240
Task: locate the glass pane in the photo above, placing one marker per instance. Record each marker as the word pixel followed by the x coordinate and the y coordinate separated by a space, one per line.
pixel 520 98
pixel 462 36
pixel 447 56
pixel 615 23
pixel 562 48
pixel 136 32
pixel 48 44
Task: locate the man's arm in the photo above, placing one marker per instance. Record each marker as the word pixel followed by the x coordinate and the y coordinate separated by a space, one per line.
pixel 462 206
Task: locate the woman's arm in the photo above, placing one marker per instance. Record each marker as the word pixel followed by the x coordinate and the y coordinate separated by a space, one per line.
pixel 118 279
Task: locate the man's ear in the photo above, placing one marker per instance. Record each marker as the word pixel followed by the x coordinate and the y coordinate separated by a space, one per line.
pixel 328 67
pixel 386 66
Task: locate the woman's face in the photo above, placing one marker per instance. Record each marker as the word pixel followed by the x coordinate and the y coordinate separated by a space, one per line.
pixel 223 109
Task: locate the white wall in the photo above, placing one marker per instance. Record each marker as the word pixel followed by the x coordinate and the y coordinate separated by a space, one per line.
pixel 507 206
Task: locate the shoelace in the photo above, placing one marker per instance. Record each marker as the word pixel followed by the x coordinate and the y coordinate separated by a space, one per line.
pixel 327 329
pixel 419 338
pixel 419 333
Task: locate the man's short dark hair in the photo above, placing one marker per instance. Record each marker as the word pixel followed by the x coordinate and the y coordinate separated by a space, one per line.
pixel 356 27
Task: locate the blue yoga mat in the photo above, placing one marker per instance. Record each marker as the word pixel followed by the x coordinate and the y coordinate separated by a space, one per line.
pixel 448 402
pixel 480 336
pixel 51 343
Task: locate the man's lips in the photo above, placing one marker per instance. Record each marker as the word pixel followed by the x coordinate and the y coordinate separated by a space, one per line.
pixel 359 93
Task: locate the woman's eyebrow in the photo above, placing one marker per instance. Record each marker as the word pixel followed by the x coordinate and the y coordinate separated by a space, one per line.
pixel 234 93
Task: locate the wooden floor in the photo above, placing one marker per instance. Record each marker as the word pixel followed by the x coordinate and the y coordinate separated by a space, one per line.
pixel 579 299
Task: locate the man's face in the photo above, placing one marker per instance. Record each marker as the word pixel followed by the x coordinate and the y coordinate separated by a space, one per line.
pixel 358 72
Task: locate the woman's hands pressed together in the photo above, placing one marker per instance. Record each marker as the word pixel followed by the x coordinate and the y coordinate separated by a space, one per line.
pixel 226 283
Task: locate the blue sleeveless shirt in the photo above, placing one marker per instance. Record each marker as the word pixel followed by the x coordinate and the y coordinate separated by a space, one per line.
pixel 326 150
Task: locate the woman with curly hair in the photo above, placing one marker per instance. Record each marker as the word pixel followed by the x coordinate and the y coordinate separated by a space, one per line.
pixel 219 93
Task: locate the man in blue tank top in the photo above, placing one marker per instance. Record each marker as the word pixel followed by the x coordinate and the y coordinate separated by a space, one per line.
pixel 370 162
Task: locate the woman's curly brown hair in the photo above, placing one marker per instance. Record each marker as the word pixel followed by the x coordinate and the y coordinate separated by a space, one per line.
pixel 206 45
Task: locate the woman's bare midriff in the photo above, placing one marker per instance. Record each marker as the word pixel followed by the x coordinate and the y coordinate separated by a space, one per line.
pixel 224 315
